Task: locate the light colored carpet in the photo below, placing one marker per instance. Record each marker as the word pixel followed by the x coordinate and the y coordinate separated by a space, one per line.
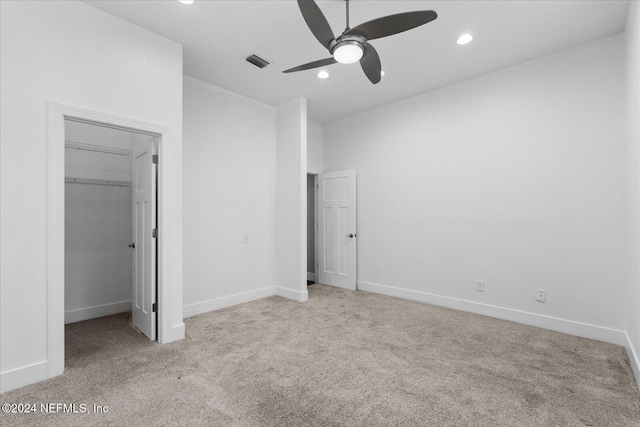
pixel 342 359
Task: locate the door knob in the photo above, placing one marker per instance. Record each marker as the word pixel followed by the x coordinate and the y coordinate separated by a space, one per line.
pixel 351 235
pixel 132 245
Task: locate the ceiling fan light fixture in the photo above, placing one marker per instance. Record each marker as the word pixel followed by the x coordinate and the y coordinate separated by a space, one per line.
pixel 186 1
pixel 348 52
pixel 464 39
pixel 353 44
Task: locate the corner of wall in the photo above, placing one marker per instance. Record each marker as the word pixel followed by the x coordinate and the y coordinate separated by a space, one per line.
pixel 291 200
pixel 23 376
pixel 299 296
pixel 314 147
pixel 634 361
pixel 632 82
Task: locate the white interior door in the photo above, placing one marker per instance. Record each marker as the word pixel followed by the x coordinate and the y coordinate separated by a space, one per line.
pixel 144 224
pixel 336 216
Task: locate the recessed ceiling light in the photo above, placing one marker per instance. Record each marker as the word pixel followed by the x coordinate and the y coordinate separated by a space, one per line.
pixel 186 1
pixel 323 74
pixel 464 39
pixel 381 73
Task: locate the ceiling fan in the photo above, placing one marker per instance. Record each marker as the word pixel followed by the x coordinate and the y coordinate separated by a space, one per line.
pixel 353 44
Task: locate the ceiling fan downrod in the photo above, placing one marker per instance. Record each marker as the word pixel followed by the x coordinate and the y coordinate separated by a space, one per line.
pixel 347 29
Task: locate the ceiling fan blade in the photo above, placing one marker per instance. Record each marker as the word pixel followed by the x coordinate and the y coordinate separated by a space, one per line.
pixel 316 22
pixel 310 65
pixel 371 64
pixel 393 24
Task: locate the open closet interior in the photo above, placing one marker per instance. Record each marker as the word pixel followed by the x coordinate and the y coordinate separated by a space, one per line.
pixel 98 221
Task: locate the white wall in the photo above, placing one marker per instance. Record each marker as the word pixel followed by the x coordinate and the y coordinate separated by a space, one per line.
pixel 516 178
pixel 229 172
pixel 291 200
pixel 632 68
pixel 74 54
pixel 98 226
pixel 314 147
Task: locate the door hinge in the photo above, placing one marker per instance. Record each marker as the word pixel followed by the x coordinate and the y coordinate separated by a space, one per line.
pixel 154 159
pixel 154 233
pixel 154 307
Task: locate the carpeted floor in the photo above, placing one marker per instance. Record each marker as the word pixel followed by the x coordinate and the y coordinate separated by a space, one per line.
pixel 342 359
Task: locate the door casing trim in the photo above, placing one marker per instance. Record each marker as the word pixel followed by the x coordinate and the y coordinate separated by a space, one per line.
pixel 170 308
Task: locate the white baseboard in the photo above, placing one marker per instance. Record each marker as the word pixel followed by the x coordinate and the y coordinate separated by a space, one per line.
pixel 227 301
pixel 570 327
pixel 311 276
pixel 11 380
pixel 177 332
pixel 79 315
pixel 633 359
pixel 300 296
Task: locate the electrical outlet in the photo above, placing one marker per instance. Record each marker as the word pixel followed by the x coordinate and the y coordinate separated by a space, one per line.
pixel 246 238
pixel 541 295
pixel 480 285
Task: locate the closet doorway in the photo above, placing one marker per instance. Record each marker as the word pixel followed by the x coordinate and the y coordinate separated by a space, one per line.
pixel 111 191
pixel 311 229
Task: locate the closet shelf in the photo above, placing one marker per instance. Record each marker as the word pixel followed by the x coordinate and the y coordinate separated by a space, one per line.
pixel 97 148
pixel 93 181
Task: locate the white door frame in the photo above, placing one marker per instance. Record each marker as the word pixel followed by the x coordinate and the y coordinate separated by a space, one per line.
pixel 315 227
pixel 316 264
pixel 168 305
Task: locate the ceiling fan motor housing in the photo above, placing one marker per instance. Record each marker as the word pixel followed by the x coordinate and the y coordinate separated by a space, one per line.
pixel 348 40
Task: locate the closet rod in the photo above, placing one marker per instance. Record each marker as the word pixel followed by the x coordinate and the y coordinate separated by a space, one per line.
pixel 97 148
pixel 94 181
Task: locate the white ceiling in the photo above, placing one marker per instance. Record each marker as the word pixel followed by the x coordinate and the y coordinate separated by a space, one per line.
pixel 218 35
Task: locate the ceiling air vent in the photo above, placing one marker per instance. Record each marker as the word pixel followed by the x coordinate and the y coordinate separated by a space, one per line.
pixel 257 61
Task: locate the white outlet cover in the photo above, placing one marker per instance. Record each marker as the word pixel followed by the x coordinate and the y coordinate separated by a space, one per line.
pixel 541 296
